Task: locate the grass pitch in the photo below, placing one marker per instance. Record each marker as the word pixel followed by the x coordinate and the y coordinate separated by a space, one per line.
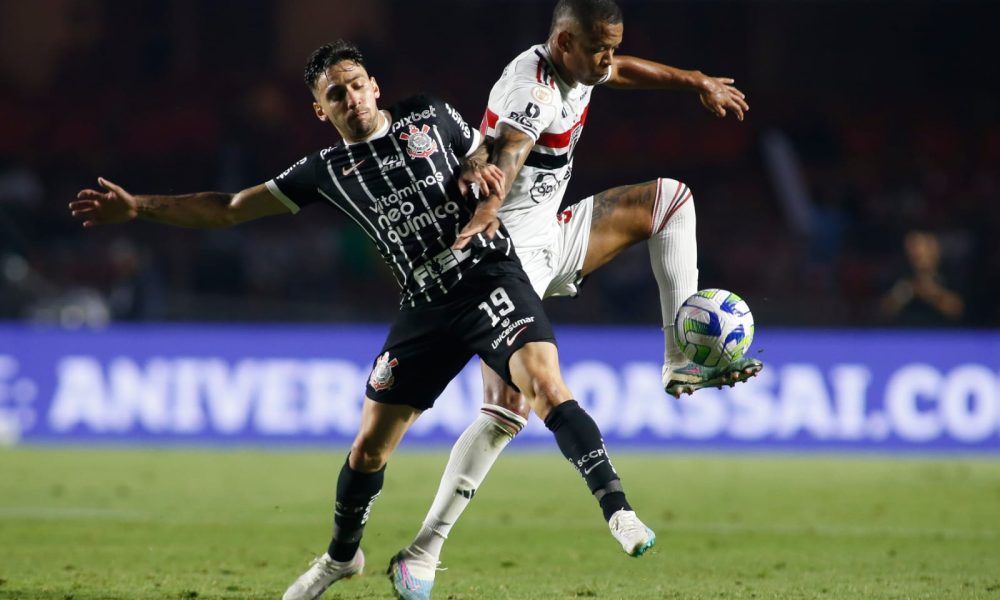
pixel 94 524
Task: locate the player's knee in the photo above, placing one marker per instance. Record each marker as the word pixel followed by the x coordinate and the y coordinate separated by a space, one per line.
pixel 548 390
pixel 674 200
pixel 368 457
pixel 508 398
pixel 535 369
pixel 672 192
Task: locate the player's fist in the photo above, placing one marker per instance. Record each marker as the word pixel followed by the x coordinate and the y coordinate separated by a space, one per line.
pixel 113 205
pixel 484 179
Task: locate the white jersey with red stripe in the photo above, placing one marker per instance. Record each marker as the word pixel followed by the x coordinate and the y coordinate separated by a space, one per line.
pixel 532 98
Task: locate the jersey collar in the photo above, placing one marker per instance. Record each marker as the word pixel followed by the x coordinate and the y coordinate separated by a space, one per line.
pixel 565 87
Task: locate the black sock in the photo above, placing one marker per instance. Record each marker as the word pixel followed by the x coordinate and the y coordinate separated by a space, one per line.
pixel 356 492
pixel 580 441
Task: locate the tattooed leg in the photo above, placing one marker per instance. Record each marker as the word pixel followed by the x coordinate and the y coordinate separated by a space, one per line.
pixel 661 211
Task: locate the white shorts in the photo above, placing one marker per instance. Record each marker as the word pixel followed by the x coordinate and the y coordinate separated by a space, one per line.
pixel 555 270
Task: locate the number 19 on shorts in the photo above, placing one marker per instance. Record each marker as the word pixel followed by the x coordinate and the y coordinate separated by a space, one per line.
pixel 501 302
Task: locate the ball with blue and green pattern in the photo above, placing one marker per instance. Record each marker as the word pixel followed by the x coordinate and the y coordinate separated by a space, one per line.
pixel 714 327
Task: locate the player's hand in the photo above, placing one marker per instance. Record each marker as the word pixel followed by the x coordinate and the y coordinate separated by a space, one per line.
pixel 488 177
pixel 484 221
pixel 719 94
pixel 114 205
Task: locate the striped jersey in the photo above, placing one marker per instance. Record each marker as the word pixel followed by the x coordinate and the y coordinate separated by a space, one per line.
pixel 532 98
pixel 401 187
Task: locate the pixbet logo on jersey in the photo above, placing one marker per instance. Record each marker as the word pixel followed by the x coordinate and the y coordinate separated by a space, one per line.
pixel 418 143
pixel 413 117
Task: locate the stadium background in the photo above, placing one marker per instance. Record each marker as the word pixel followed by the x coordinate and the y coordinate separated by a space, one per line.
pixel 889 107
pixel 869 120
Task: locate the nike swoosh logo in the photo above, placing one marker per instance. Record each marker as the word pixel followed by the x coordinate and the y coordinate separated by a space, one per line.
pixel 592 467
pixel 513 336
pixel 345 171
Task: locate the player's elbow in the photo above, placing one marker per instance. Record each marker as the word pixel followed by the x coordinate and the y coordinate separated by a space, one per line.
pixel 235 210
pixel 232 217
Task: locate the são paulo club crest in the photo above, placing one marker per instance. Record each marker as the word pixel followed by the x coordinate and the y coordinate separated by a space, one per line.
pixel 382 378
pixel 418 143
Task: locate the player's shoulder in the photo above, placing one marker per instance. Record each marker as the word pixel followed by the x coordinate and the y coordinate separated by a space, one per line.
pixel 426 108
pixel 306 165
pixel 532 72
pixel 526 63
pixel 317 155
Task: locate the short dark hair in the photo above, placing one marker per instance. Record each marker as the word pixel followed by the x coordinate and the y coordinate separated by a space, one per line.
pixel 586 12
pixel 330 54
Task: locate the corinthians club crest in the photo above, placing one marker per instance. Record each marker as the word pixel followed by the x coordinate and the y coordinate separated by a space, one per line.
pixel 418 143
pixel 382 377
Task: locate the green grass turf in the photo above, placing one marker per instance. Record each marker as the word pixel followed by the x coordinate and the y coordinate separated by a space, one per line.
pixel 85 524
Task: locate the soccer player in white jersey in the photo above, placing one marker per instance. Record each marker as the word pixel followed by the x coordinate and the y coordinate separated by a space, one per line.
pixel 535 116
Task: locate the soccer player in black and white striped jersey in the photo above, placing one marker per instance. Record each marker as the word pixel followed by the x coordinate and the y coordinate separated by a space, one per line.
pixel 398 175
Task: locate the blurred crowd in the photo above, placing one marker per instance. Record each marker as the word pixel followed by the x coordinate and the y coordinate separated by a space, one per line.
pixel 862 190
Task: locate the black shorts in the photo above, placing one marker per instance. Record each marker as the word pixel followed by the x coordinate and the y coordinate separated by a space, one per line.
pixel 493 311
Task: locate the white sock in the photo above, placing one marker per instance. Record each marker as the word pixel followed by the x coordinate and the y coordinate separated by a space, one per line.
pixel 673 252
pixel 473 454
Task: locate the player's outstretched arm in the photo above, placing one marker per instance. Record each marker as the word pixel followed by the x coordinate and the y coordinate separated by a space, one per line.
pixel 510 150
pixel 717 94
pixel 200 210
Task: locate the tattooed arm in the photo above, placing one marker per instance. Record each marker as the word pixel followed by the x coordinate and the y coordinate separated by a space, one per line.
pixel 199 210
pixel 510 150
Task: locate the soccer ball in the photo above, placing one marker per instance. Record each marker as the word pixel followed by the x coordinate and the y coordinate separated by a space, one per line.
pixel 714 327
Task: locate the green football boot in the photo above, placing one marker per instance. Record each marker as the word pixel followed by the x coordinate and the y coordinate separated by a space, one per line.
pixel 692 376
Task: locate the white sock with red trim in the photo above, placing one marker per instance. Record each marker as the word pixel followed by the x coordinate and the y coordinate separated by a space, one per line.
pixel 471 458
pixel 673 252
